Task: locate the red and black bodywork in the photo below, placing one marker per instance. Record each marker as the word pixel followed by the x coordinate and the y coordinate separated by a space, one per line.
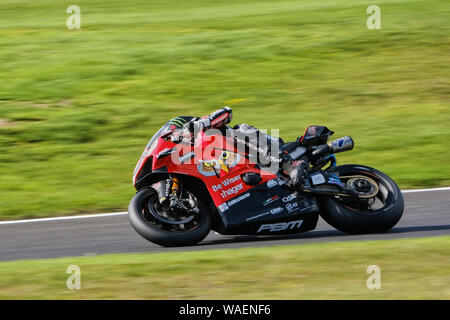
pixel 185 189
pixel 243 195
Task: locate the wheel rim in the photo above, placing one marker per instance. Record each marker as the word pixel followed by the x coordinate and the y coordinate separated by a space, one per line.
pixel 363 186
pixel 375 193
pixel 158 212
pixel 159 216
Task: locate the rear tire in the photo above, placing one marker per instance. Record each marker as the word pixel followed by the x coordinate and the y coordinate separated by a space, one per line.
pixel 155 233
pixel 357 221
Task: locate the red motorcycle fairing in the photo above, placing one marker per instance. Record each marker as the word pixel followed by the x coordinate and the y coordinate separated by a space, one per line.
pixel 213 159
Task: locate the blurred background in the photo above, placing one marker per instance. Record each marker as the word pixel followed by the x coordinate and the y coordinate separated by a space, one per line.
pixel 78 106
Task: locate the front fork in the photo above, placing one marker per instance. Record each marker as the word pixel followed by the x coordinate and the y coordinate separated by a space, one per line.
pixel 171 190
pixel 175 187
pixel 168 188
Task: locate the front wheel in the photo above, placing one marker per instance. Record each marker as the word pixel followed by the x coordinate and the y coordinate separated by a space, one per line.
pixel 154 222
pixel 379 208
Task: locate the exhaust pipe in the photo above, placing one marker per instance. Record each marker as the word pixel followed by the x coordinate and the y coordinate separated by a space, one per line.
pixel 336 146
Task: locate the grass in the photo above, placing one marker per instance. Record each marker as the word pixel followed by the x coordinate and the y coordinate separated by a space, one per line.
pixel 410 269
pixel 77 107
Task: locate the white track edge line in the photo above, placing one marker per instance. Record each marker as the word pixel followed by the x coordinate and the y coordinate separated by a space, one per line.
pixel 97 215
pixel 112 214
pixel 426 190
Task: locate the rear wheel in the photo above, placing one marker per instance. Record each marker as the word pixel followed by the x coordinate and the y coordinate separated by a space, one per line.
pixel 158 223
pixel 379 208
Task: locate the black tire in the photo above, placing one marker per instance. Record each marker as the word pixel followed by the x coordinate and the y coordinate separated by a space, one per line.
pixel 356 221
pixel 162 237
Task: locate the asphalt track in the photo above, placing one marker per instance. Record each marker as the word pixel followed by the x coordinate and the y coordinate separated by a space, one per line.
pixel 427 213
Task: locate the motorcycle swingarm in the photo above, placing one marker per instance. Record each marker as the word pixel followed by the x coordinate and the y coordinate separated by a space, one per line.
pixel 331 191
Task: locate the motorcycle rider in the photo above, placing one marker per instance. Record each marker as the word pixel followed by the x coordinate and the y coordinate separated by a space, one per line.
pixel 296 170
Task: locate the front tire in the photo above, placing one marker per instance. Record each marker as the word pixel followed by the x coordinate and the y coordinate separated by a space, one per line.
pixel 358 220
pixel 157 234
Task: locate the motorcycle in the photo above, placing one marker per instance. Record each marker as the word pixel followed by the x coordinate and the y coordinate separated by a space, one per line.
pixel 186 188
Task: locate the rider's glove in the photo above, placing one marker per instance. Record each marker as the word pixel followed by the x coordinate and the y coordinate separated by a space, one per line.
pixel 217 119
pixel 220 118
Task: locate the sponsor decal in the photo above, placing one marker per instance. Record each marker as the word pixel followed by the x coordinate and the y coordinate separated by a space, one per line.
pixel 232 180
pixel 226 205
pixel 177 122
pixel 290 197
pixel 274 227
pixel 272 183
pixel 223 163
pixel 224 193
pixel 257 216
pixel 272 211
pixel 291 207
pixel 276 210
pixel 270 200
pixel 231 191
pixel 226 182
pixel 223 207
pixel 238 199
pixel 186 156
